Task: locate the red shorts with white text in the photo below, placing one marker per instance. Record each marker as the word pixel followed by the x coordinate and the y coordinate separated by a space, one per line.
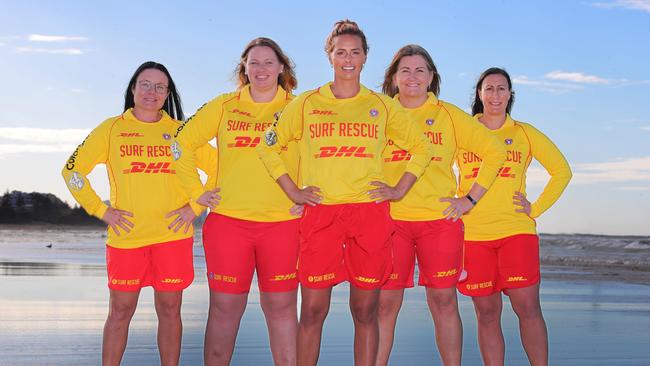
pixel 496 265
pixel 166 266
pixel 236 248
pixel 438 245
pixel 342 242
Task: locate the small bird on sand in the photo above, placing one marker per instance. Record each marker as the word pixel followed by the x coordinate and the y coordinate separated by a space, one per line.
pixel 49 245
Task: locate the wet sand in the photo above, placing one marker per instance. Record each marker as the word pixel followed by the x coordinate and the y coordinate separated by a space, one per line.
pixel 52 314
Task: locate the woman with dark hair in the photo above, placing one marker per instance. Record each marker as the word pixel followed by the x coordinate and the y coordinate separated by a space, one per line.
pixel 252 229
pixel 346 230
pixel 427 219
pixel 148 208
pixel 501 242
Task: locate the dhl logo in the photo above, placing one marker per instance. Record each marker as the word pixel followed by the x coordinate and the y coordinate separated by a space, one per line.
pixel 448 273
pixel 517 279
pixel 284 277
pixel 393 276
pixel 321 278
pixel 151 168
pixel 403 155
pixel 504 172
pixel 321 112
pixel 366 279
pixel 130 134
pixel 245 141
pixel 343 151
pixel 171 280
pixel 243 113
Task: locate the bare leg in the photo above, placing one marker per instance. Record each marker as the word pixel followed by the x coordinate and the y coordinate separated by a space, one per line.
pixel 490 335
pixel 170 327
pixel 364 305
pixel 390 302
pixel 532 328
pixel 443 304
pixel 313 311
pixel 122 305
pixel 282 321
pixel 224 317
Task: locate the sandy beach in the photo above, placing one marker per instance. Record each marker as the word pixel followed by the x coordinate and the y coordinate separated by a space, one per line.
pixel 54 303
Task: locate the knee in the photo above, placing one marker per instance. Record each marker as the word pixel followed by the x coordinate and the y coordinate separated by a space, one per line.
pixel 313 314
pixel 279 309
pixel 388 309
pixel 364 313
pixel 488 314
pixel 120 312
pixel 168 309
pixel 528 310
pixel 443 302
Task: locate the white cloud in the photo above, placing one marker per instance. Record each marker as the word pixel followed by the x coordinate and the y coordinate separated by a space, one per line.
pixel 645 128
pixel 2 44
pixel 60 51
pixel 77 90
pixel 7 149
pixel 549 86
pixel 43 135
pixel 614 171
pixel 576 77
pixel 45 38
pixel 635 188
pixel 643 5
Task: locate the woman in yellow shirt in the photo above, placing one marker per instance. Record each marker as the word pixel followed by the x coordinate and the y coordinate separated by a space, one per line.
pixel 149 216
pixel 427 218
pixel 251 229
pixel 501 242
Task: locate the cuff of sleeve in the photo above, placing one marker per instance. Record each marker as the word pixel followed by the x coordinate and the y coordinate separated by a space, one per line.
pixel 196 208
pixel 278 171
pixel 101 211
pixel 414 169
pixel 534 211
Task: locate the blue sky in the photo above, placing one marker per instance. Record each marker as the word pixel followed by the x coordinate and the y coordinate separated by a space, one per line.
pixel 580 70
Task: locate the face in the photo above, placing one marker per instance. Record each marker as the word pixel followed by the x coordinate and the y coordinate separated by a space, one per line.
pixel 150 90
pixel 347 57
pixel 413 76
pixel 263 68
pixel 494 94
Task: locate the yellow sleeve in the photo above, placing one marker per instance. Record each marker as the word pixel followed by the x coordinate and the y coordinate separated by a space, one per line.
pixel 92 151
pixel 192 136
pixel 473 136
pixel 286 128
pixel 409 136
pixel 543 149
pixel 206 160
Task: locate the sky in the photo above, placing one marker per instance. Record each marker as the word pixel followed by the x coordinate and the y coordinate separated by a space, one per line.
pixel 580 72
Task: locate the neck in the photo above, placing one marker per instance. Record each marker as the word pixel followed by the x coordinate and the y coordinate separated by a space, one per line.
pixel 493 121
pixel 343 89
pixel 263 96
pixel 413 101
pixel 148 116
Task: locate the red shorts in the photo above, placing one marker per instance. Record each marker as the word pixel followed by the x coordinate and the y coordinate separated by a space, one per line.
pixel 166 266
pixel 492 266
pixel 345 242
pixel 236 248
pixel 438 245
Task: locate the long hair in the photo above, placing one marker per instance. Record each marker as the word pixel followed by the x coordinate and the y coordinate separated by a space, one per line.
pixel 389 88
pixel 345 26
pixel 477 104
pixel 286 79
pixel 172 104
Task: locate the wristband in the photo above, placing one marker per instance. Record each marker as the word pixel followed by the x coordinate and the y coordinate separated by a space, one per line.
pixel 473 201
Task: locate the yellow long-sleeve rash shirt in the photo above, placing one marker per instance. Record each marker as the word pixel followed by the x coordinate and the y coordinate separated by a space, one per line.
pixel 138 160
pixel 448 129
pixel 495 215
pixel 341 141
pixel 248 192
